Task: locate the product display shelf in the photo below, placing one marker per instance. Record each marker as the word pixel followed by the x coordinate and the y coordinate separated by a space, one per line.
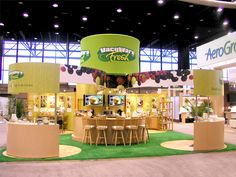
pixel 166 117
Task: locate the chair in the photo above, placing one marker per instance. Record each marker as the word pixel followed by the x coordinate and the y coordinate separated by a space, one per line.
pixel 101 127
pixel 88 126
pixel 132 129
pixel 118 128
pixel 144 123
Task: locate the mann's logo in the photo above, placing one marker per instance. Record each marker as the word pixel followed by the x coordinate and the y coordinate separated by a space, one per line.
pixel 229 47
pixel 13 75
pixel 85 55
pixel 110 54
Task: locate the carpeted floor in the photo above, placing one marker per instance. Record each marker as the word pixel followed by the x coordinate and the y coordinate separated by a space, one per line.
pixel 152 148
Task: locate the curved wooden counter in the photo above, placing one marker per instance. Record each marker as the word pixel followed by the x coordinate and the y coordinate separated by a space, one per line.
pixel 32 140
pixel 209 135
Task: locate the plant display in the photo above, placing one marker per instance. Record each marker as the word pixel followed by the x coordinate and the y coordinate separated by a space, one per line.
pixel 197 110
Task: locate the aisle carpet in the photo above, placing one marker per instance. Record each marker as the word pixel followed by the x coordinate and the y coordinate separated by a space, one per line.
pixel 152 148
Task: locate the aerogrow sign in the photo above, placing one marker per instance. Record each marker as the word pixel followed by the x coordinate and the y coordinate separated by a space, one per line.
pixel 219 50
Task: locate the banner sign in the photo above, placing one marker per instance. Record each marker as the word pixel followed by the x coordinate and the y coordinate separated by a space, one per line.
pixel 111 53
pixel 208 82
pixel 219 50
pixel 33 78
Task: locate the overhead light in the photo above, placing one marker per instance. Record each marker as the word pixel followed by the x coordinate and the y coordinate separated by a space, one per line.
pixel 25 14
pixel 29 24
pixel 196 37
pixel 119 10
pixel 82 27
pixel 1 24
pixel 8 32
pixel 163 26
pixel 187 28
pixel 176 16
pixel 35 38
pixel 139 23
pixel 160 2
pixel 131 31
pixel 12 39
pixel 55 5
pixel 87 7
pixel 149 13
pixel 201 20
pixel 20 2
pixel 112 21
pixel 229 33
pixel 56 33
pixel 219 10
pixel 55 17
pixel 56 26
pixel 225 23
pixel 84 18
pixel 191 5
pixel 107 29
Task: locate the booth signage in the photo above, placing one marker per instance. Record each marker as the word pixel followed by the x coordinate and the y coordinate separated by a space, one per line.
pixel 214 85
pixel 219 50
pixel 115 54
pixel 109 54
pixel 33 78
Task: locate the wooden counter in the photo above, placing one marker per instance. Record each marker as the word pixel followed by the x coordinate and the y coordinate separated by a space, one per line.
pixel 32 140
pixel 209 135
pixel 78 131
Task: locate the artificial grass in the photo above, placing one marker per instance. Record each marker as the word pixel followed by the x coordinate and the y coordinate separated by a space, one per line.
pixel 152 148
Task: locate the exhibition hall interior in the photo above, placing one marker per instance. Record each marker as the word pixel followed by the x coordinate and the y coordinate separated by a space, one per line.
pixel 119 84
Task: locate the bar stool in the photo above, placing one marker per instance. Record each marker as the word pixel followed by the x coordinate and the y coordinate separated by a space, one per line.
pixel 132 129
pixel 101 127
pixel 88 126
pixel 118 128
pixel 144 123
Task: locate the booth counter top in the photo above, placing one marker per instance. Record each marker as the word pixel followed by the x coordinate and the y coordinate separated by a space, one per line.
pixel 29 140
pixel 209 135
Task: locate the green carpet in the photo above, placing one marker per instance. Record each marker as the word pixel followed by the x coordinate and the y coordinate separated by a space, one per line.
pixel 152 148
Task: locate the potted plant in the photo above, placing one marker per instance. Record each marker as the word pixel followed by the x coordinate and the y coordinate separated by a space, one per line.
pixel 19 108
pixel 197 110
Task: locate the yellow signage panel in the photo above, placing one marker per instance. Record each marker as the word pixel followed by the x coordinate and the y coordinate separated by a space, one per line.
pixel 33 78
pixel 208 82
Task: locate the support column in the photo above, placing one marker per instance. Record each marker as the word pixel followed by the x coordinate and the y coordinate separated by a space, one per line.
pixel 1 56
pixel 183 55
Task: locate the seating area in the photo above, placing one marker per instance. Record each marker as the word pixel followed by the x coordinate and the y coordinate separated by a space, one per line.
pixel 108 131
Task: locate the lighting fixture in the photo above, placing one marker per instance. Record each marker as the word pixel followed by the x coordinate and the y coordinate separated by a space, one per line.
pixel 119 10
pixel 56 26
pixel 219 10
pixel 112 21
pixel 149 13
pixel 160 2
pixel 84 18
pixel 12 39
pixel 1 24
pixel 87 7
pixel 56 33
pixel 25 14
pixel 196 37
pixel 225 23
pixel 176 16
pixel 55 5
pixel 139 23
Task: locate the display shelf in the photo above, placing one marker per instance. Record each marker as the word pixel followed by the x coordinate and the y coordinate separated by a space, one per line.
pixel 166 115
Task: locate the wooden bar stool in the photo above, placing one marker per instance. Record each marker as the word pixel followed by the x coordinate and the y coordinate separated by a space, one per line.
pixel 143 125
pixel 88 126
pixel 101 127
pixel 132 129
pixel 118 128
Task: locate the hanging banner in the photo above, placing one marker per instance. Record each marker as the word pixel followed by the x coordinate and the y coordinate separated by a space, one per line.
pixel 208 82
pixel 33 78
pixel 111 53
